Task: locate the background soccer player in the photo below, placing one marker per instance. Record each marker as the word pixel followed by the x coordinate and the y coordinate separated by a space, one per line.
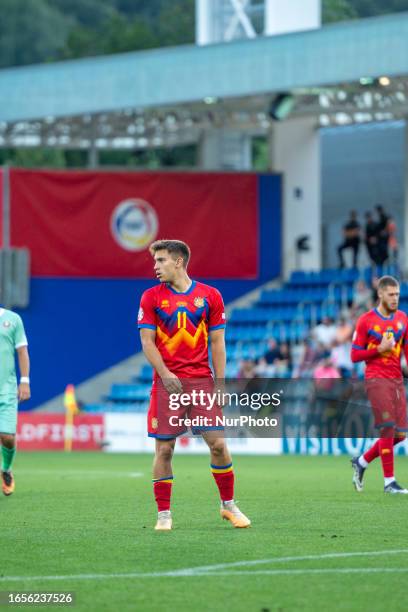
pixel 12 338
pixel 175 319
pixel 378 340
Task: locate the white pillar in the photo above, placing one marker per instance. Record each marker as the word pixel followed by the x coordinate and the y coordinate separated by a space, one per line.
pixel 295 15
pixel 225 150
pixel 295 151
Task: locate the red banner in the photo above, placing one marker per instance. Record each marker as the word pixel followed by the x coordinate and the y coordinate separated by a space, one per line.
pixel 47 431
pixel 100 224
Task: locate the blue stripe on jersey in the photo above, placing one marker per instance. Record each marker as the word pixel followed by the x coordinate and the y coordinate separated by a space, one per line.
pixel 371 332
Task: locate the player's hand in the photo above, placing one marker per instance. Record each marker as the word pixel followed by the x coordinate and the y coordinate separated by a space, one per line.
pixel 171 383
pixel 387 344
pixel 23 392
pixel 220 391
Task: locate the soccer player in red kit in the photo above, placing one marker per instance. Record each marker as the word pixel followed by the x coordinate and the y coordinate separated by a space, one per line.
pixel 380 336
pixel 176 319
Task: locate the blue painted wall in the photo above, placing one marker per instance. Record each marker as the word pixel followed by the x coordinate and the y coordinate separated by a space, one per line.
pixel 79 327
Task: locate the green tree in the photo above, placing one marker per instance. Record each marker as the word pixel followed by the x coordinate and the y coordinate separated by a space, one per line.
pixel 176 23
pixel 33 158
pixel 369 8
pixel 337 10
pixel 30 31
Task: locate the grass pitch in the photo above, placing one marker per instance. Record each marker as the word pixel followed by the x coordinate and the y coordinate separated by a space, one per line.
pixel 84 523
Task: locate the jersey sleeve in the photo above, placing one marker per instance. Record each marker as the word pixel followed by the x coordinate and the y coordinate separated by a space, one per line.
pixel 359 340
pixel 359 352
pixel 146 317
pixel 20 338
pixel 216 318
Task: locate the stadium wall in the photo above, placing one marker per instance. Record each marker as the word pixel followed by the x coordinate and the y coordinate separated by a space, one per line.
pixel 79 326
pixel 125 432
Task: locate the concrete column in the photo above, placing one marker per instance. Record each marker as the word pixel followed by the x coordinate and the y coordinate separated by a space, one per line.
pixel 295 152
pixel 282 17
pixel 225 150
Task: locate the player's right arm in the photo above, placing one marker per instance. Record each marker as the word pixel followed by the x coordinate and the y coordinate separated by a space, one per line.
pixel 359 350
pixel 171 383
pixel 147 325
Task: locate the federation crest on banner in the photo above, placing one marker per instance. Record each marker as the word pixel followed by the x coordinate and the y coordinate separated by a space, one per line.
pixel 134 224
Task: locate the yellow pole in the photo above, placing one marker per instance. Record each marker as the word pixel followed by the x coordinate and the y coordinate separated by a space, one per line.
pixel 71 409
pixel 69 426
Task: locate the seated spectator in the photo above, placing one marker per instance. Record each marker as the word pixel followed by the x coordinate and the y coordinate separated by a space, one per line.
pixel 324 373
pixel 283 365
pixel 392 241
pixel 374 290
pixel 273 352
pixel 246 368
pixel 341 358
pixel 362 298
pixel 344 331
pixel 310 355
pixel 325 332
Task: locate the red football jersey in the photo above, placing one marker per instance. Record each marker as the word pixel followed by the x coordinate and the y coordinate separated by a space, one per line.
pixel 182 322
pixel 370 329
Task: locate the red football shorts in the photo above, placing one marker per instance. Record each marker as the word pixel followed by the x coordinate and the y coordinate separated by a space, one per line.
pixel 171 415
pixel 388 402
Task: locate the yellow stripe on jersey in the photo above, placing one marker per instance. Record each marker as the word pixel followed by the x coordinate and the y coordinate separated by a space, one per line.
pixel 182 336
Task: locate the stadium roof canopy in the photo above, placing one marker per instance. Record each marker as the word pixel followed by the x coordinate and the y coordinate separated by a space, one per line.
pixel 350 72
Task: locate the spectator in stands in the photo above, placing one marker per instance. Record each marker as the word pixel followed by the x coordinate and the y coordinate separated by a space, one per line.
pixel 392 241
pixel 324 370
pixel 362 297
pixel 273 351
pixel 343 331
pixel 371 238
pixel 382 234
pixel 351 239
pixel 374 289
pixel 246 368
pixel 283 365
pixel 341 359
pixel 311 354
pixel 325 332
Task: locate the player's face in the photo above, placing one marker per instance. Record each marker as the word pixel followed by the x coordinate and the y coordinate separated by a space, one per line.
pixel 165 266
pixel 389 297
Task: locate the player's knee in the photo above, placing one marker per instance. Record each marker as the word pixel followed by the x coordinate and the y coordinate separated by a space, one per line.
pixel 165 452
pixel 8 440
pixel 217 447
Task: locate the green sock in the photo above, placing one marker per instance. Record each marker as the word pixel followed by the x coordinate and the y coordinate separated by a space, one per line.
pixel 7 455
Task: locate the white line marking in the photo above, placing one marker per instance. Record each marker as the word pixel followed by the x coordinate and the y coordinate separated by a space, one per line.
pixel 339 570
pixel 80 473
pixel 212 570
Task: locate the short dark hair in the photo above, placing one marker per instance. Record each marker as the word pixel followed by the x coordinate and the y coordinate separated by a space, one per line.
pixel 387 281
pixel 174 247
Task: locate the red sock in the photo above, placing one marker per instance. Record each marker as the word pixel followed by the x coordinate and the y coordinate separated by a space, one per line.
pixel 387 456
pixel 374 451
pixel 224 478
pixel 162 492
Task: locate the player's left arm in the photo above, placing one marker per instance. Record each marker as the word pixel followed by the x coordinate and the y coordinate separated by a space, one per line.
pixel 218 352
pixel 216 330
pixel 24 392
pixel 405 342
pixel 20 344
